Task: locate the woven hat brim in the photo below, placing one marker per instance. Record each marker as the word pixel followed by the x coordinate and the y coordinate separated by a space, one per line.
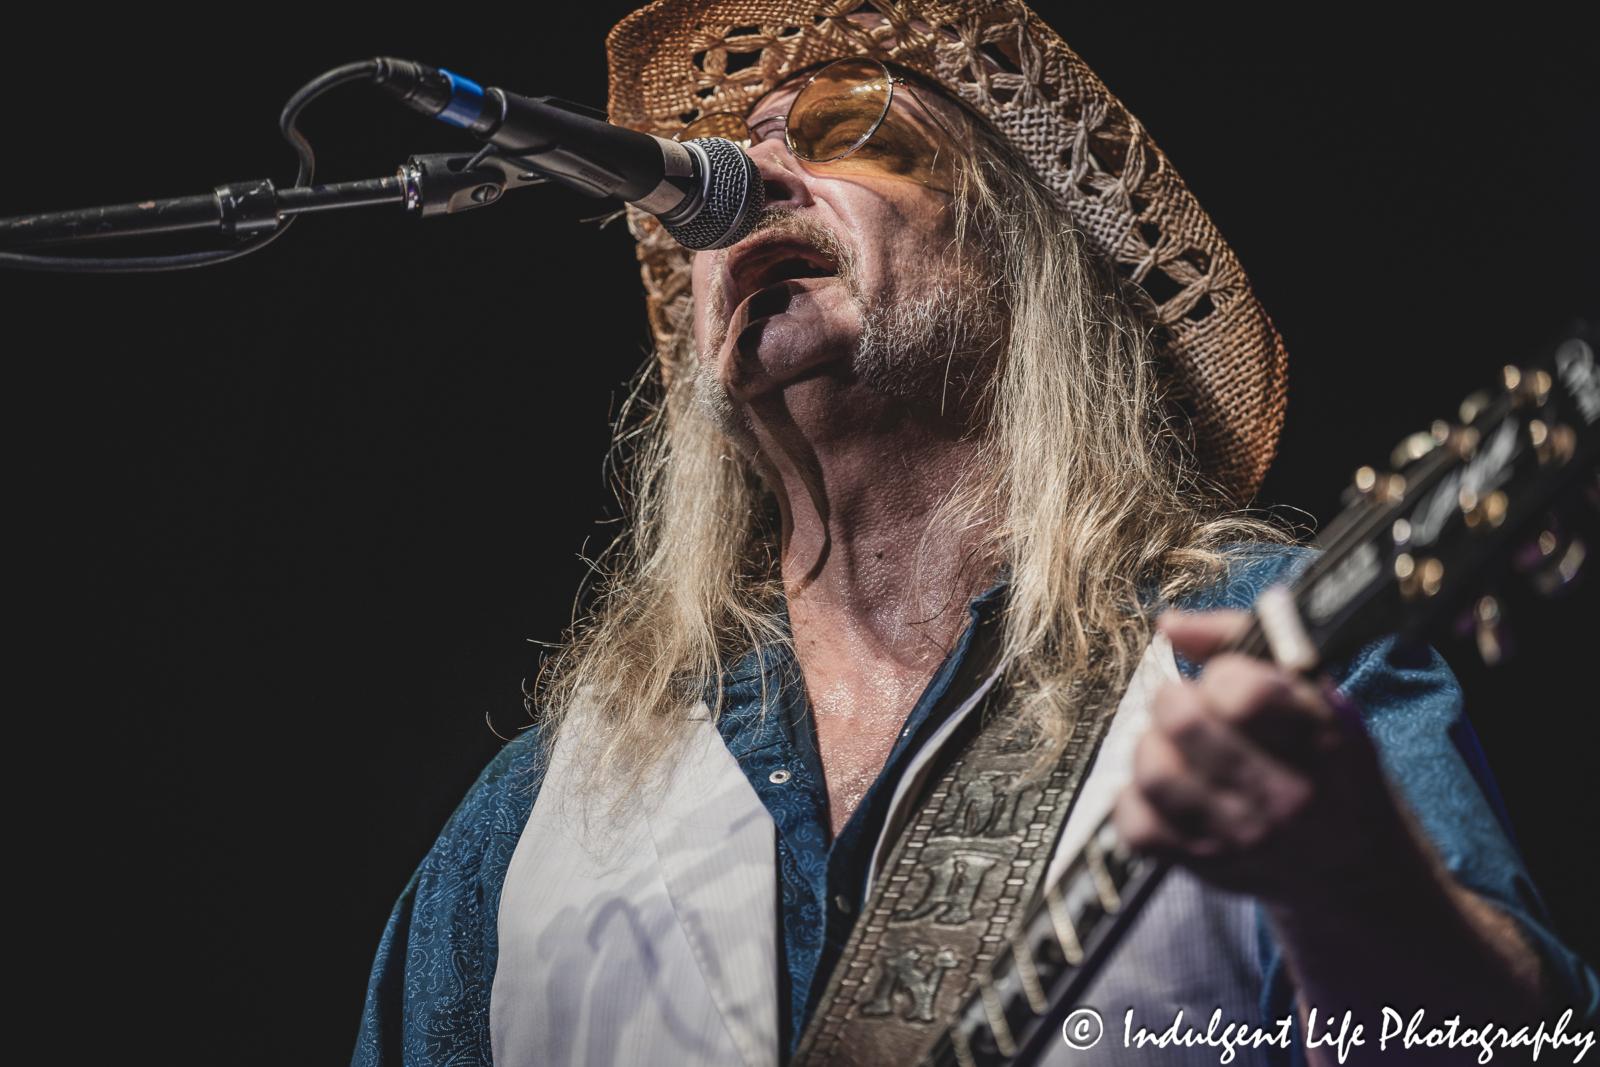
pixel 675 60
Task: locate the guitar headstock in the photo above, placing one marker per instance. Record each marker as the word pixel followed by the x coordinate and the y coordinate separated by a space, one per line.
pixel 1462 500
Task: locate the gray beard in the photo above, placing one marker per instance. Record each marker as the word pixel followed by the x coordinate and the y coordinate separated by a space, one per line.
pixel 718 407
pixel 931 350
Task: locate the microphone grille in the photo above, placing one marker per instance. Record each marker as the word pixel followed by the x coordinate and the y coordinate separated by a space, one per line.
pixel 734 197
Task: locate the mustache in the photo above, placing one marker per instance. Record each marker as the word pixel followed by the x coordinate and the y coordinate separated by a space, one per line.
pixel 812 233
pixel 785 221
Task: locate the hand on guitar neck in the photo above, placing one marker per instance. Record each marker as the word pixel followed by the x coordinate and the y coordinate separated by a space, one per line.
pixel 1261 783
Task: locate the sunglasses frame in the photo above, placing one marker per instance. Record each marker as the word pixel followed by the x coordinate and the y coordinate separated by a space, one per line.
pixel 751 139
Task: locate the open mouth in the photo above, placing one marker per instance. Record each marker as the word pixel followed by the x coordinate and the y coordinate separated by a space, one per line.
pixel 795 267
pixel 774 296
pixel 760 272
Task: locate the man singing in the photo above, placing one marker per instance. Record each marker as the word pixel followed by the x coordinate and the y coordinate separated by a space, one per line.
pixel 935 471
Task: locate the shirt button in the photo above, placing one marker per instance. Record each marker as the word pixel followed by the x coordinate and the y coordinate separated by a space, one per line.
pixel 779 776
pixel 842 904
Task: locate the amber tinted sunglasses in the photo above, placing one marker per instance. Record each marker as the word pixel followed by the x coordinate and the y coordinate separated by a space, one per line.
pixel 840 117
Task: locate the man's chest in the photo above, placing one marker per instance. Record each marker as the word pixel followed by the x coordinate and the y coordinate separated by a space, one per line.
pixel 657 928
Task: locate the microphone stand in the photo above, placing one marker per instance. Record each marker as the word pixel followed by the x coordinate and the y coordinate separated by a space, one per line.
pixel 437 184
pixel 257 212
pixel 705 173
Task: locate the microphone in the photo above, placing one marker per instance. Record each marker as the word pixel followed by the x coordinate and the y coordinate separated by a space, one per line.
pixel 707 192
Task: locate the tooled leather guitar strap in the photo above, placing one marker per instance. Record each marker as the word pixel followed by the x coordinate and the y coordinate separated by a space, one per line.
pixel 964 866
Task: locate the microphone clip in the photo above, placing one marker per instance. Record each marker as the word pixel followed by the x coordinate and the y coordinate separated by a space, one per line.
pixel 447 183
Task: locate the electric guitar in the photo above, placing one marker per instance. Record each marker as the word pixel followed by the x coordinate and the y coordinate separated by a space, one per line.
pixel 1454 504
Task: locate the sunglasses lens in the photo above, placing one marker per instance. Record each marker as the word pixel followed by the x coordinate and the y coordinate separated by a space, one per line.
pixel 721 124
pixel 839 109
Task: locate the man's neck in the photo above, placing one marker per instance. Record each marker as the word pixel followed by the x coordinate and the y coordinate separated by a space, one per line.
pixel 875 604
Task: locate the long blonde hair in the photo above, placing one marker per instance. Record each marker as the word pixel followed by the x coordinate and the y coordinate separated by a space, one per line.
pixel 1086 490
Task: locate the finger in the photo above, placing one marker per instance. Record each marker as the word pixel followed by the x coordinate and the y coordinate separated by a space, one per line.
pixel 1142 827
pixel 1208 779
pixel 1278 711
pixel 1164 778
pixel 1197 636
pixel 1205 743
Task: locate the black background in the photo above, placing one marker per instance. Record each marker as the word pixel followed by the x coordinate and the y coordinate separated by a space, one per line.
pixel 283 530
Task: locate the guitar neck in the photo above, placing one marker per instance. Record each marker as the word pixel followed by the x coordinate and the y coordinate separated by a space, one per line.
pixel 1405 549
pixel 1021 1002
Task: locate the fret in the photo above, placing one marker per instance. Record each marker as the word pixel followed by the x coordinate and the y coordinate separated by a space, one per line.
pixel 959 1049
pixel 1061 920
pixel 1103 885
pixel 995 1014
pixel 1029 971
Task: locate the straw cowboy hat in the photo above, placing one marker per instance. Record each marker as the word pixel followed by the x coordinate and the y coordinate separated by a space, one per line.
pixel 1225 365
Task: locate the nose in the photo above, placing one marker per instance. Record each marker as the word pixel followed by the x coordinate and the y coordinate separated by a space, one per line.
pixel 785 181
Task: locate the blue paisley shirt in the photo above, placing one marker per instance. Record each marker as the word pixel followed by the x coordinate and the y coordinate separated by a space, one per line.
pixel 427 1002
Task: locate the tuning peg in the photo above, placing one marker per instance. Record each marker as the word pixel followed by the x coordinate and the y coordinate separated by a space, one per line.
pixel 1483 514
pixel 1380 487
pixel 1554 560
pixel 1536 552
pixel 1411 449
pixel 1525 386
pixel 1555 444
pixel 1494 639
pixel 1483 621
pixel 1372 485
pixel 1473 406
pixel 1538 384
pixel 1465 442
pixel 1560 576
pixel 1424 575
